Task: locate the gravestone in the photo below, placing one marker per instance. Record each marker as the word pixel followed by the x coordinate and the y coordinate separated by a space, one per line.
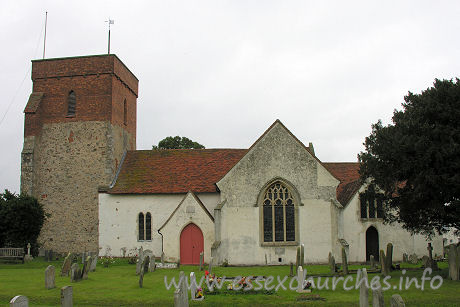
pixel 291 269
pixel 85 271
pixel 297 257
pixel 413 259
pixel 201 261
pixel 181 294
pixel 405 258
pixel 140 261
pixel 92 267
pixel 332 266
pixel 194 288
pixel 162 258
pixel 377 298
pixel 141 277
pixel 50 277
pixel 363 290
pixel 19 301
pixel 65 269
pixel 389 256
pixel 302 255
pixel 300 281
pixel 397 301
pixel 152 265
pixel 67 296
pixel 210 265
pixel 426 263
pixel 75 273
pixel 454 269
pixel 383 264
pixel 146 264
pixel 344 261
pixel 372 260
pixel 28 257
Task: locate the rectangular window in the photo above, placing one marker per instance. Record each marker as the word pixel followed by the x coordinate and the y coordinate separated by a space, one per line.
pixel 371 208
pixel 363 201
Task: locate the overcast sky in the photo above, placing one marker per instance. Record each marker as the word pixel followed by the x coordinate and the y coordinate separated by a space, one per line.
pixel 221 72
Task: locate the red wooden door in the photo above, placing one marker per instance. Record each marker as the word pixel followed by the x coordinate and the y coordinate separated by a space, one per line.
pixel 191 244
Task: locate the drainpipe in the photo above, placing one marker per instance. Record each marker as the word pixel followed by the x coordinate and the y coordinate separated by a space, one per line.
pixel 161 241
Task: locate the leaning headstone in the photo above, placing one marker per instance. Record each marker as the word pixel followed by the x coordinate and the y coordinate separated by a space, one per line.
pixel 19 301
pixel 50 277
pixel 291 269
pixel 85 271
pixel 344 261
pixel 397 301
pixel 389 256
pixel 201 260
pixel 92 267
pixel 372 260
pixel 454 270
pixel 65 269
pixel 377 298
pixel 75 273
pixel 146 264
pixel 67 296
pixel 210 265
pixel 363 290
pixel 383 264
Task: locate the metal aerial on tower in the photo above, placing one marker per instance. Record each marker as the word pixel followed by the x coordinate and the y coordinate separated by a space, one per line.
pixel 111 22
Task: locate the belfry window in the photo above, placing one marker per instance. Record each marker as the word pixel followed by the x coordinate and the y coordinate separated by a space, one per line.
pixel 144 222
pixel 71 104
pixel 279 214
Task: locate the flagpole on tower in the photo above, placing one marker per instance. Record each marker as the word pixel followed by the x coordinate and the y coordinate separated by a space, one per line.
pixel 44 39
pixel 111 22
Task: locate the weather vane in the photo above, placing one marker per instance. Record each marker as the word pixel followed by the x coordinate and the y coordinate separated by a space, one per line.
pixel 111 22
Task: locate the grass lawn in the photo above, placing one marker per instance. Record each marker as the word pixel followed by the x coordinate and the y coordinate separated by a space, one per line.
pixel 118 285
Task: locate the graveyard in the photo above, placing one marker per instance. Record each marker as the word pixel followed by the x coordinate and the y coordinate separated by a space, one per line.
pixel 121 283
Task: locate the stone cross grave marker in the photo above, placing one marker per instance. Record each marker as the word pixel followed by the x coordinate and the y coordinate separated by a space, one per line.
pixel 19 301
pixel 210 265
pixel 50 277
pixel 377 298
pixel 28 256
pixel 397 301
pixel 363 289
pixel 92 267
pixel 65 269
pixel 67 296
pixel 201 260
pixel 344 261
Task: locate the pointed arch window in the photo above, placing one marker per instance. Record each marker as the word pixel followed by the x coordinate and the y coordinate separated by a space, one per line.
pixel 71 103
pixel 144 222
pixel 279 214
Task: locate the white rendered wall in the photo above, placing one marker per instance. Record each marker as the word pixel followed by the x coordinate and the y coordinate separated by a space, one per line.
pixel 403 242
pixel 118 215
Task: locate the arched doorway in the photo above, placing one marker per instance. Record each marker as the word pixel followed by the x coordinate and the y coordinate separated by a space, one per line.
pixel 372 243
pixel 191 244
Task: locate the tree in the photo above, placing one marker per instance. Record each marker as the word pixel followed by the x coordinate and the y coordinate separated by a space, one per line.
pixel 177 142
pixel 415 161
pixel 21 220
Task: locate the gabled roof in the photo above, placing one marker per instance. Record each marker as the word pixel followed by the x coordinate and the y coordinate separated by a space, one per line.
pixel 197 199
pixel 347 173
pixel 174 170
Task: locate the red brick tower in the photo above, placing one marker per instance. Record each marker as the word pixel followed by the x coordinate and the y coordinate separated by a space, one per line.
pixel 79 120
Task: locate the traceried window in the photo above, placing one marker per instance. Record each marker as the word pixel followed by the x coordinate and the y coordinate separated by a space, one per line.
pixel 371 206
pixel 144 226
pixel 278 214
pixel 71 104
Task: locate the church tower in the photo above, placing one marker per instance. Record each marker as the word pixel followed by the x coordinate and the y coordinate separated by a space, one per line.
pixel 79 121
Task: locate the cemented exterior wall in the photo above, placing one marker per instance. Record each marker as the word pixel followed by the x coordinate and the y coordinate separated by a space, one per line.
pixel 403 242
pixel 276 155
pixel 118 222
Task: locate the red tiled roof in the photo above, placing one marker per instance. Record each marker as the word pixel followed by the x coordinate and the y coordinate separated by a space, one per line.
pixel 347 173
pixel 174 170
pixel 182 170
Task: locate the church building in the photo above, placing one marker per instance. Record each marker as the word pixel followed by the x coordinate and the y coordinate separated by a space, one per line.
pixel 240 206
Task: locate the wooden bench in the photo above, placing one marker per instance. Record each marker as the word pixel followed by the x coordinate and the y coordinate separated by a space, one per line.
pixel 12 253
